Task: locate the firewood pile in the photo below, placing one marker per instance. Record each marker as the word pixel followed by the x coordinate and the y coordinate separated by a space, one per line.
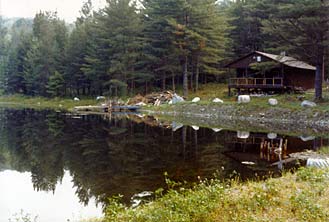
pixel 155 99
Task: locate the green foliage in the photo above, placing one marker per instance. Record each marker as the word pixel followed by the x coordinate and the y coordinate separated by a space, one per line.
pixel 55 86
pixel 253 201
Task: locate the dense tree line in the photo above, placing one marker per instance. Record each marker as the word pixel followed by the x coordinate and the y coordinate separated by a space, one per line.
pixel 130 47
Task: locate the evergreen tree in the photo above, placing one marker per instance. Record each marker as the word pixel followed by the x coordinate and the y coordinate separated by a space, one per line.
pixel 76 50
pixel 46 53
pixel 302 27
pixel 3 52
pixel 55 86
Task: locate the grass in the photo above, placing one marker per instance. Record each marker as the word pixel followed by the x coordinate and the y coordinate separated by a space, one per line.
pixel 211 91
pixel 20 101
pixel 294 197
pixel 206 92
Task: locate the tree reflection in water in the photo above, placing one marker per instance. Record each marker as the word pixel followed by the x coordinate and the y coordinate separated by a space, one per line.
pixel 108 157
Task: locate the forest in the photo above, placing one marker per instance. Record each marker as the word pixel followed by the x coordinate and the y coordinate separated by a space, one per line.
pixel 131 47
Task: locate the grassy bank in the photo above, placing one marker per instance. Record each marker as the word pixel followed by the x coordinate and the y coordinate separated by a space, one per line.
pixel 290 101
pixel 302 196
pixel 20 101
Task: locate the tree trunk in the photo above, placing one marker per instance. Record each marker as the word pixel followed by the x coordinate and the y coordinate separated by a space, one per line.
pixel 197 70
pixel 191 77
pixel 173 82
pixel 318 80
pixel 146 89
pixel 163 82
pixel 185 77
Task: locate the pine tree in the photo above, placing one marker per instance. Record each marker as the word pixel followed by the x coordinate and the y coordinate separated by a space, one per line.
pixel 55 86
pixel 46 53
pixel 302 27
pixel 76 50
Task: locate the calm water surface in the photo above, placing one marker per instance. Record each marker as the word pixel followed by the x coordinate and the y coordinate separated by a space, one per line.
pixel 61 167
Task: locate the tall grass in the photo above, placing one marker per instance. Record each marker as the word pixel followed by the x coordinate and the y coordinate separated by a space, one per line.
pixel 294 197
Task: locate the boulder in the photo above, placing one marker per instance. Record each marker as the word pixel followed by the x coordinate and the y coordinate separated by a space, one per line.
pixel 76 99
pixel 307 103
pixel 177 99
pixel 196 100
pixel 244 99
pixel 273 102
pixel 217 100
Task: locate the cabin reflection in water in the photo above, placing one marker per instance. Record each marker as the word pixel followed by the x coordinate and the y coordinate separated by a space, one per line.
pixel 261 149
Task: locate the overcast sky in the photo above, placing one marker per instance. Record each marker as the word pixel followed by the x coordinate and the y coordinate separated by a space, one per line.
pixel 67 9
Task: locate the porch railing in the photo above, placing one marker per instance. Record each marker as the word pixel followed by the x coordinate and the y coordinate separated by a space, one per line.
pixel 256 82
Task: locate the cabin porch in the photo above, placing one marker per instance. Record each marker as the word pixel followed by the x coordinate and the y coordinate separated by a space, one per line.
pixel 247 83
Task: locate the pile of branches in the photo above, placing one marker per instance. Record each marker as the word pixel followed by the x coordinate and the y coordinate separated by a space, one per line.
pixel 155 99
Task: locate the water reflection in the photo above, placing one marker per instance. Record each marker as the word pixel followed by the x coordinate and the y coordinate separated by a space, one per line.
pixel 106 156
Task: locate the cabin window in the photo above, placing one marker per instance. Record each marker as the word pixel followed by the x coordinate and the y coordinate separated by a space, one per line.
pixel 259 58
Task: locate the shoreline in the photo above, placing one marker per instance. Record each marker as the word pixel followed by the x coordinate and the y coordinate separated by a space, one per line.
pixel 229 115
pixel 304 121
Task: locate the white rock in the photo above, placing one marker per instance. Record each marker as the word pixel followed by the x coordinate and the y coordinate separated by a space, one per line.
pixel 243 134
pixel 76 99
pixel 307 103
pixel 307 138
pixel 244 99
pixel 272 136
pixel 100 97
pixel 273 102
pixel 248 163
pixel 196 128
pixel 140 104
pixel 216 130
pixel 170 102
pixel 217 100
pixel 196 99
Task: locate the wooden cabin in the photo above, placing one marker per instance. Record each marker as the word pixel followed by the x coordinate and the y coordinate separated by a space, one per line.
pixel 259 71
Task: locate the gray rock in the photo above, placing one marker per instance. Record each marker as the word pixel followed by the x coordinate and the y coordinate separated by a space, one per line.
pixel 307 103
pixel 177 99
pixel 176 126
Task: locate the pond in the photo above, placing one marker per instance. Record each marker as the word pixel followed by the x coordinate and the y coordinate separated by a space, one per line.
pixel 63 167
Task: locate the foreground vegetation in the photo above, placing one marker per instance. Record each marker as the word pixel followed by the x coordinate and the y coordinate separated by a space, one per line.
pixel 294 197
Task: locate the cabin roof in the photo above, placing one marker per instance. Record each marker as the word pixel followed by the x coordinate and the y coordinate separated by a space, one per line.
pixel 286 60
